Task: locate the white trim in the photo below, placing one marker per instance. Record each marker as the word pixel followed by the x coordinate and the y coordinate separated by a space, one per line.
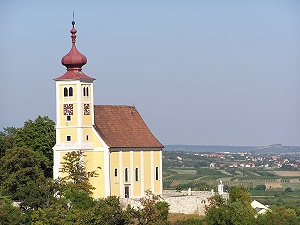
pixel 121 174
pixel 131 174
pixel 152 172
pixel 107 181
pixel 161 174
pixel 142 174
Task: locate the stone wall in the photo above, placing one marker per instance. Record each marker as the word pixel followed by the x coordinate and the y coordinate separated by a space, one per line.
pixel 179 202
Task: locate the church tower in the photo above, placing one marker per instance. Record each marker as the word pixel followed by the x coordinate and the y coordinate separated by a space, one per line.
pixel 116 141
pixel 74 106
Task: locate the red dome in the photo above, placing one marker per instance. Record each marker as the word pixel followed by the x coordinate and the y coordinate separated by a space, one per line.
pixel 74 59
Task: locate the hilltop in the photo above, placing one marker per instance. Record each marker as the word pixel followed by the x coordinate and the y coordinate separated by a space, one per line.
pixel 269 149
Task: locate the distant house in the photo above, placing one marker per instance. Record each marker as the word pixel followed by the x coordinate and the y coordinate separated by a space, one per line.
pixel 259 208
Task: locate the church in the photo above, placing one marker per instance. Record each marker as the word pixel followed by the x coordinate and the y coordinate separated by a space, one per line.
pixel 115 140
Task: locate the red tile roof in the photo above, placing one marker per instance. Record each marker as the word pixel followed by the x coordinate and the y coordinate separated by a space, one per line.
pixel 123 127
pixel 74 75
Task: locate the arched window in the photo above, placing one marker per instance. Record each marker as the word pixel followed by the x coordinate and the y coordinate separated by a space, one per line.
pixel 85 91
pixel 136 174
pixel 156 173
pixel 65 92
pixel 126 174
pixel 70 91
pixel 116 172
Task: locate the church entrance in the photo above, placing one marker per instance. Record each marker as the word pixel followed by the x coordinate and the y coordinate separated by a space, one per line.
pixel 127 191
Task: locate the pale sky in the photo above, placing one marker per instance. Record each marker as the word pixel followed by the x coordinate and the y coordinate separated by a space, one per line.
pixel 199 72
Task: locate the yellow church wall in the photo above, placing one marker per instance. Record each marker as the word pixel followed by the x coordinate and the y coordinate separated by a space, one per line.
pixel 137 164
pixel 115 181
pixel 87 132
pixel 95 140
pixel 147 170
pixel 86 119
pixel 68 131
pixel 126 164
pixel 94 161
pixel 157 164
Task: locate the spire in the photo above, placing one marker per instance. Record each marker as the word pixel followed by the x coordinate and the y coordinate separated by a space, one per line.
pixel 74 60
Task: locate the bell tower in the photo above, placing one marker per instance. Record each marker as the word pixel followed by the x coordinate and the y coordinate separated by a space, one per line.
pixel 74 106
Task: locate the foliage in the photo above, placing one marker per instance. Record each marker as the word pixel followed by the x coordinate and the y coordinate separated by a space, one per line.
pixel 231 213
pixel 106 212
pixel 41 193
pixel 9 215
pixel 7 139
pixel 55 214
pixel 79 199
pixel 280 216
pixel 190 221
pixel 239 194
pixel 18 168
pixel 75 170
pixel 39 135
pixel 152 210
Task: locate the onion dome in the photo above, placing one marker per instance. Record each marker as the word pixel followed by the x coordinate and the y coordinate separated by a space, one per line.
pixel 74 60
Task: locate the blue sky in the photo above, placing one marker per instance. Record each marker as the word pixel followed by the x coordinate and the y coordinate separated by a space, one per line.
pixel 199 72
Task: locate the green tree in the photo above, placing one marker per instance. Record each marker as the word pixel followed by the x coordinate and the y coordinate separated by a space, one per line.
pixel 7 139
pixel 10 215
pixel 39 135
pixel 231 213
pixel 18 168
pixel 239 194
pixel 152 210
pixel 279 216
pixel 76 175
pixel 107 211
pixel 42 193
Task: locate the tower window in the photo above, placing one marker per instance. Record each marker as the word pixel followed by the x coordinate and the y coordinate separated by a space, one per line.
pixel 68 138
pixel 156 173
pixel 70 91
pixel 87 137
pixel 126 175
pixel 86 91
pixel 65 92
pixel 116 172
pixel 136 174
pixel 68 118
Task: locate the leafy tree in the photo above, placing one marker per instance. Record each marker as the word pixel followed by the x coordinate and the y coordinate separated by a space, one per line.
pixel 280 216
pixel 106 212
pixel 215 201
pixel 152 211
pixel 18 168
pixel 75 170
pixel 42 193
pixel 55 214
pixel 7 139
pixel 39 135
pixel 239 194
pixel 10 215
pixel 238 212
pixel 79 199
